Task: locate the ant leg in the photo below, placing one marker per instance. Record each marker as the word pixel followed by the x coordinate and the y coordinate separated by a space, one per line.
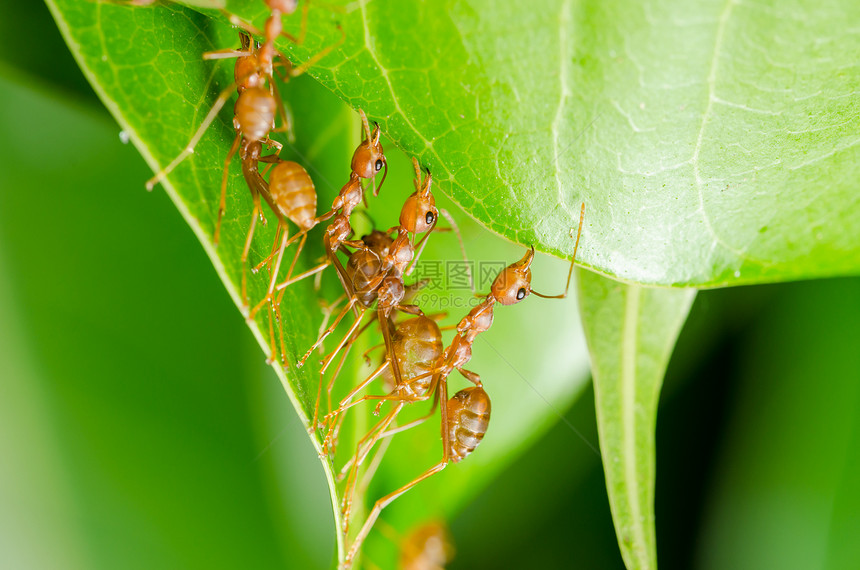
pixel 228 53
pixel 438 317
pixel 328 359
pixel 279 65
pixel 298 40
pixel 315 420
pixel 257 210
pixel 456 230
pixel 332 430
pixel 341 408
pixel 361 453
pixel 277 308
pixel 327 441
pixel 240 23
pixel 366 354
pixel 273 353
pixel 349 344
pixel 300 276
pixel 373 467
pixel 345 311
pixel 189 148
pixel 273 281
pixel 385 325
pixel 346 402
pixel 384 502
pixel 296 256
pixel 268 258
pixel 296 71
pixel 410 310
pixel 222 205
pixel 388 499
pixel 286 116
pixel 394 396
pixel 408 426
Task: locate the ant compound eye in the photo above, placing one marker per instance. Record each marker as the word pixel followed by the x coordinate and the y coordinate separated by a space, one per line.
pixel 521 294
pixel 379 164
pixel 429 218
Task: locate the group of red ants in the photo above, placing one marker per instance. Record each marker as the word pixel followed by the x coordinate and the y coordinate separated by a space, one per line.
pixel 416 365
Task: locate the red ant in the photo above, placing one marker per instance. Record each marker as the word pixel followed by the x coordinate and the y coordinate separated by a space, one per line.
pixel 466 415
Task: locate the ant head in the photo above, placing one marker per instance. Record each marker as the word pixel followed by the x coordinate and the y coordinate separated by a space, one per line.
pixel 284 6
pixel 369 158
pixel 514 282
pixel 419 213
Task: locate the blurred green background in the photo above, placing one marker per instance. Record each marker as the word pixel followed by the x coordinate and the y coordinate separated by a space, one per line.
pixel 140 427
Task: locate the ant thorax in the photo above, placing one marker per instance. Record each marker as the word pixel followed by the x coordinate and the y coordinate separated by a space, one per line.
pixel 337 232
pixel 391 292
pixel 479 319
pixel 459 353
pixel 401 252
pixel 350 195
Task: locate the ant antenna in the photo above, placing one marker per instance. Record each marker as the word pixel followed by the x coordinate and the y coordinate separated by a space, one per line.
pixel 572 259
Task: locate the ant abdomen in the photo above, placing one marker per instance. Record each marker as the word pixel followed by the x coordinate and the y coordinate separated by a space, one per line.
pixel 255 113
pixel 468 418
pixel 293 191
pixel 417 344
pixel 363 269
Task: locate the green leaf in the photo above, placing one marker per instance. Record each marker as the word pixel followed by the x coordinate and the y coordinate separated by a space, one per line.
pixel 160 89
pixel 631 331
pixel 715 143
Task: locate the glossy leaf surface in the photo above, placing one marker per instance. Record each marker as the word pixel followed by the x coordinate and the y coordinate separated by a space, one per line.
pixel 714 142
